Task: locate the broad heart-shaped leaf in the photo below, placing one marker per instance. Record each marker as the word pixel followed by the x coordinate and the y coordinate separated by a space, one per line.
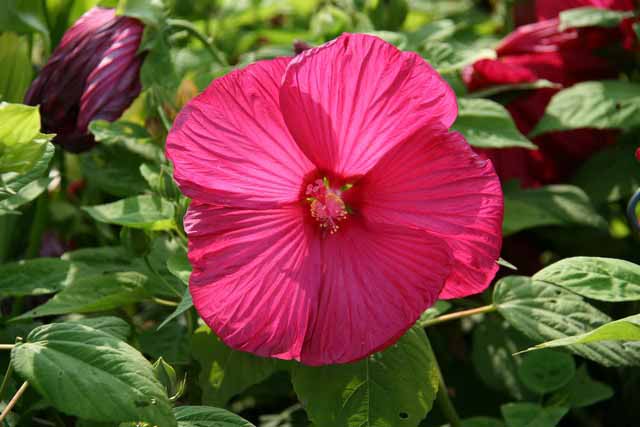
pixel 225 372
pixel 108 324
pixel 493 345
pixel 391 388
pixel 206 416
pixel 21 143
pixel 146 212
pixel 581 391
pixel 25 195
pixel 487 124
pixel 93 293
pixel 524 414
pixel 12 182
pixel 37 276
pixel 627 329
pixel 543 312
pixel 604 279
pixel 610 175
pixel 596 104
pixel 16 71
pixel 591 17
pixel 562 205
pixel 546 371
pixel 91 374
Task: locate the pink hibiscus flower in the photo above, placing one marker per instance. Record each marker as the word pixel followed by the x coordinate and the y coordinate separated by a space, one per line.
pixel 331 205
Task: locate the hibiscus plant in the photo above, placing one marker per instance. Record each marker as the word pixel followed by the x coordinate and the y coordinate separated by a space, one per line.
pixel 328 213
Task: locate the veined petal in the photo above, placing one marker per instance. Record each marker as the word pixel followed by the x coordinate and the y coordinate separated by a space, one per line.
pixel 266 283
pixel 230 146
pixel 349 101
pixel 435 182
pixel 256 276
pixel 378 279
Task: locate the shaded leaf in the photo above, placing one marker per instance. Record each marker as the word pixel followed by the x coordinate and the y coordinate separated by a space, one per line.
pixel 591 17
pixel 15 73
pixel 526 414
pixel 37 276
pixel 546 371
pixel 581 391
pixel 146 212
pixel 206 416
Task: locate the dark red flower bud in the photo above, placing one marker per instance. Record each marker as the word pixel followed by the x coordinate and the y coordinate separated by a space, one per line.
pixel 93 74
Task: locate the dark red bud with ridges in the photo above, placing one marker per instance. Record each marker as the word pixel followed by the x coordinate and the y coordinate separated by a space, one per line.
pixel 94 73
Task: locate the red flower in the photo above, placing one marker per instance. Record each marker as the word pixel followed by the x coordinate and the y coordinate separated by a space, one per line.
pixel 331 205
pixel 93 74
pixel 539 51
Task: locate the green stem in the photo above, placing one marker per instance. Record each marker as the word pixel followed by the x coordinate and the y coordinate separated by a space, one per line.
pixel 442 398
pixel 180 24
pixel 39 224
pixel 5 381
pixel 160 278
pixel 164 119
pixel 460 314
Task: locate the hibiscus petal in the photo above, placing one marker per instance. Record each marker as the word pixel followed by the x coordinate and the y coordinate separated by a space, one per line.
pixel 256 274
pixel 230 145
pixel 267 283
pixel 378 279
pixel 436 182
pixel 349 101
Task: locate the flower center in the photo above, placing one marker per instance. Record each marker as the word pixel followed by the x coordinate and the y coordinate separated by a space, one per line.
pixel 327 206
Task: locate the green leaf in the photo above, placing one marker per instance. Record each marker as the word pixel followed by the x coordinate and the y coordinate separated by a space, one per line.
pixel 151 12
pixel 185 304
pixel 94 293
pixel 178 264
pixel 394 387
pixel 603 279
pixel 627 329
pixel 494 343
pixel 543 312
pixel 546 371
pixel 206 416
pixel 526 414
pixel 450 57
pixel 611 174
pixel 172 343
pixel 21 143
pixel 224 372
pixel 13 182
pixel 591 17
pixel 108 324
pixel 37 276
pixel 440 307
pixel 581 391
pixel 132 137
pixel 601 105
pixel 15 73
pixel 147 212
pixel 562 205
pixel 498 89
pixel 487 124
pixel 75 366
pixel 482 422
pixel 25 195
pixel 24 16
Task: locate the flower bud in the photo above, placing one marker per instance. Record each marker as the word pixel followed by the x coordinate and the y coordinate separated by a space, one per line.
pixel 94 73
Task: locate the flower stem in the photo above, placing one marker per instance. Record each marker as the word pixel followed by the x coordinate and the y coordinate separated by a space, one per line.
pixel 180 24
pixel 5 381
pixel 442 397
pixel 460 314
pixel 7 346
pixel 14 400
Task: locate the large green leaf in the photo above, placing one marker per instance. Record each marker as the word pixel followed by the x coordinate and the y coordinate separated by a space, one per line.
pixel 15 73
pixel 591 17
pixel 93 293
pixel 487 124
pixel 543 312
pixel 91 374
pixel 185 304
pixel 225 372
pixel 108 324
pixel 604 279
pixel 151 12
pixel 546 371
pixel 448 57
pixel 37 276
pixel 25 195
pixel 611 174
pixel 12 182
pixel 627 329
pixel 21 142
pixel 581 391
pixel 601 105
pixel 562 205
pixel 394 387
pixel 146 212
pixel 206 416
pixel 524 414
